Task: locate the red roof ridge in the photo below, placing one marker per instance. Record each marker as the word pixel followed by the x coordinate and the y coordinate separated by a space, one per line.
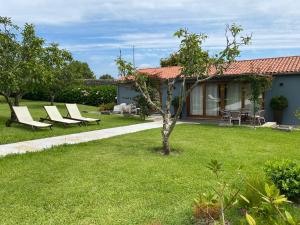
pixel 267 66
pixel 153 68
pixel 267 58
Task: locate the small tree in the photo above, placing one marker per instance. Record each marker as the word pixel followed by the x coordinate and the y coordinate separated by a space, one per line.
pixel 197 65
pixel 258 85
pixel 57 75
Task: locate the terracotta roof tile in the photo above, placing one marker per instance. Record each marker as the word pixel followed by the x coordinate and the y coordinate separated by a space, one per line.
pixel 267 66
pixel 164 72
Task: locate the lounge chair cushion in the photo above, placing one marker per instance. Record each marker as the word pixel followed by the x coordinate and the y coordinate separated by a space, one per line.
pixel 23 116
pixel 76 115
pixel 55 115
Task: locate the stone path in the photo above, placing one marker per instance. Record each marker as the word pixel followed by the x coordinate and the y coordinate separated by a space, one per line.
pixel 44 143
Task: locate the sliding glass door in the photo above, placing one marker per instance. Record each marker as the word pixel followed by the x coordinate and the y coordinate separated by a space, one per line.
pixel 233 96
pixel 212 99
pixel 196 101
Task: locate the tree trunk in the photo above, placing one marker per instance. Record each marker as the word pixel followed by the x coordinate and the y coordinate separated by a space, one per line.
pixel 13 116
pixel 52 99
pixel 17 100
pixel 166 134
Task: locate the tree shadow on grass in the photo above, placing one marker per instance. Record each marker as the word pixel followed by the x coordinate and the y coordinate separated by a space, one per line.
pixel 159 150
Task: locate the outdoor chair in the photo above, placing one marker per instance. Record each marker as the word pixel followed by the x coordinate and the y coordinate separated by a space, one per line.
pixel 260 117
pixel 24 117
pixel 235 116
pixel 225 115
pixel 55 116
pixel 74 114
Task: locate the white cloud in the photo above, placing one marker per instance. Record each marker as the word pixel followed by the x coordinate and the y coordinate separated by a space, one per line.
pixel 59 12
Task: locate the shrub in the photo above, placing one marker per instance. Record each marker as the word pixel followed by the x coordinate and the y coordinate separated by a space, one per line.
pixel 107 106
pixel 145 108
pixel 297 113
pixel 254 198
pixel 83 95
pixel 285 175
pixel 206 208
pixel 279 103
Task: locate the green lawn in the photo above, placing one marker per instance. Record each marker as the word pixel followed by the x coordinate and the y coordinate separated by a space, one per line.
pixel 124 180
pixel 20 132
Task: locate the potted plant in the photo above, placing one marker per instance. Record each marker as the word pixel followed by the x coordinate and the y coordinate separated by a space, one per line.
pixel 278 104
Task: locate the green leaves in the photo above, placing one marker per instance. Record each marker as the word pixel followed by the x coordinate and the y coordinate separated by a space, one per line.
pixel 250 219
pixel 289 218
pixel 285 174
pixel 215 167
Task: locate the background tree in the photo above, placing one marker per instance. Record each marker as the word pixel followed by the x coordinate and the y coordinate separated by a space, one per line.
pixel 21 66
pixel 197 65
pixel 106 77
pixel 57 73
pixel 172 60
pixel 81 69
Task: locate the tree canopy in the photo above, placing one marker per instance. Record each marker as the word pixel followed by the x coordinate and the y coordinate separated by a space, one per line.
pixel 172 60
pixel 106 77
pixel 81 69
pixel 26 62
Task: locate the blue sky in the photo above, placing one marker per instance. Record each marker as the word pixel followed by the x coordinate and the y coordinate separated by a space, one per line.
pixel 95 30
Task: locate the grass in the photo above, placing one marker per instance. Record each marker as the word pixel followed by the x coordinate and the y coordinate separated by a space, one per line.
pixel 19 132
pixel 124 180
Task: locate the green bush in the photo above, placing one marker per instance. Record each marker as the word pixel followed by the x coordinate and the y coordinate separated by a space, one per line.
pixel 279 103
pixel 107 106
pixel 82 95
pixel 145 108
pixel 253 197
pixel 285 175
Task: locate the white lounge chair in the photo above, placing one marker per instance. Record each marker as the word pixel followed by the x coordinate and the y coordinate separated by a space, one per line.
pixel 24 117
pixel 74 114
pixel 55 116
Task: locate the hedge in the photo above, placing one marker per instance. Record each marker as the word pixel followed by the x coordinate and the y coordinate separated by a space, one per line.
pixel 81 95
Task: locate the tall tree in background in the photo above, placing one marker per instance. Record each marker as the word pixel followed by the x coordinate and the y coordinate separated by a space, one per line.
pixel 172 60
pixel 106 77
pixel 197 65
pixel 57 73
pixel 81 69
pixel 21 65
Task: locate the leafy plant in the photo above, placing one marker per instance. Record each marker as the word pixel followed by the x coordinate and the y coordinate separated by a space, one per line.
pixel 297 113
pixel 253 197
pixel 285 175
pixel 223 196
pixel 107 106
pixel 271 206
pixel 207 208
pixel 145 107
pixel 279 103
pixel 175 102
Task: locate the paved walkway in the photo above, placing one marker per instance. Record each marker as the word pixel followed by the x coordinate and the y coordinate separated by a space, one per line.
pixel 42 144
